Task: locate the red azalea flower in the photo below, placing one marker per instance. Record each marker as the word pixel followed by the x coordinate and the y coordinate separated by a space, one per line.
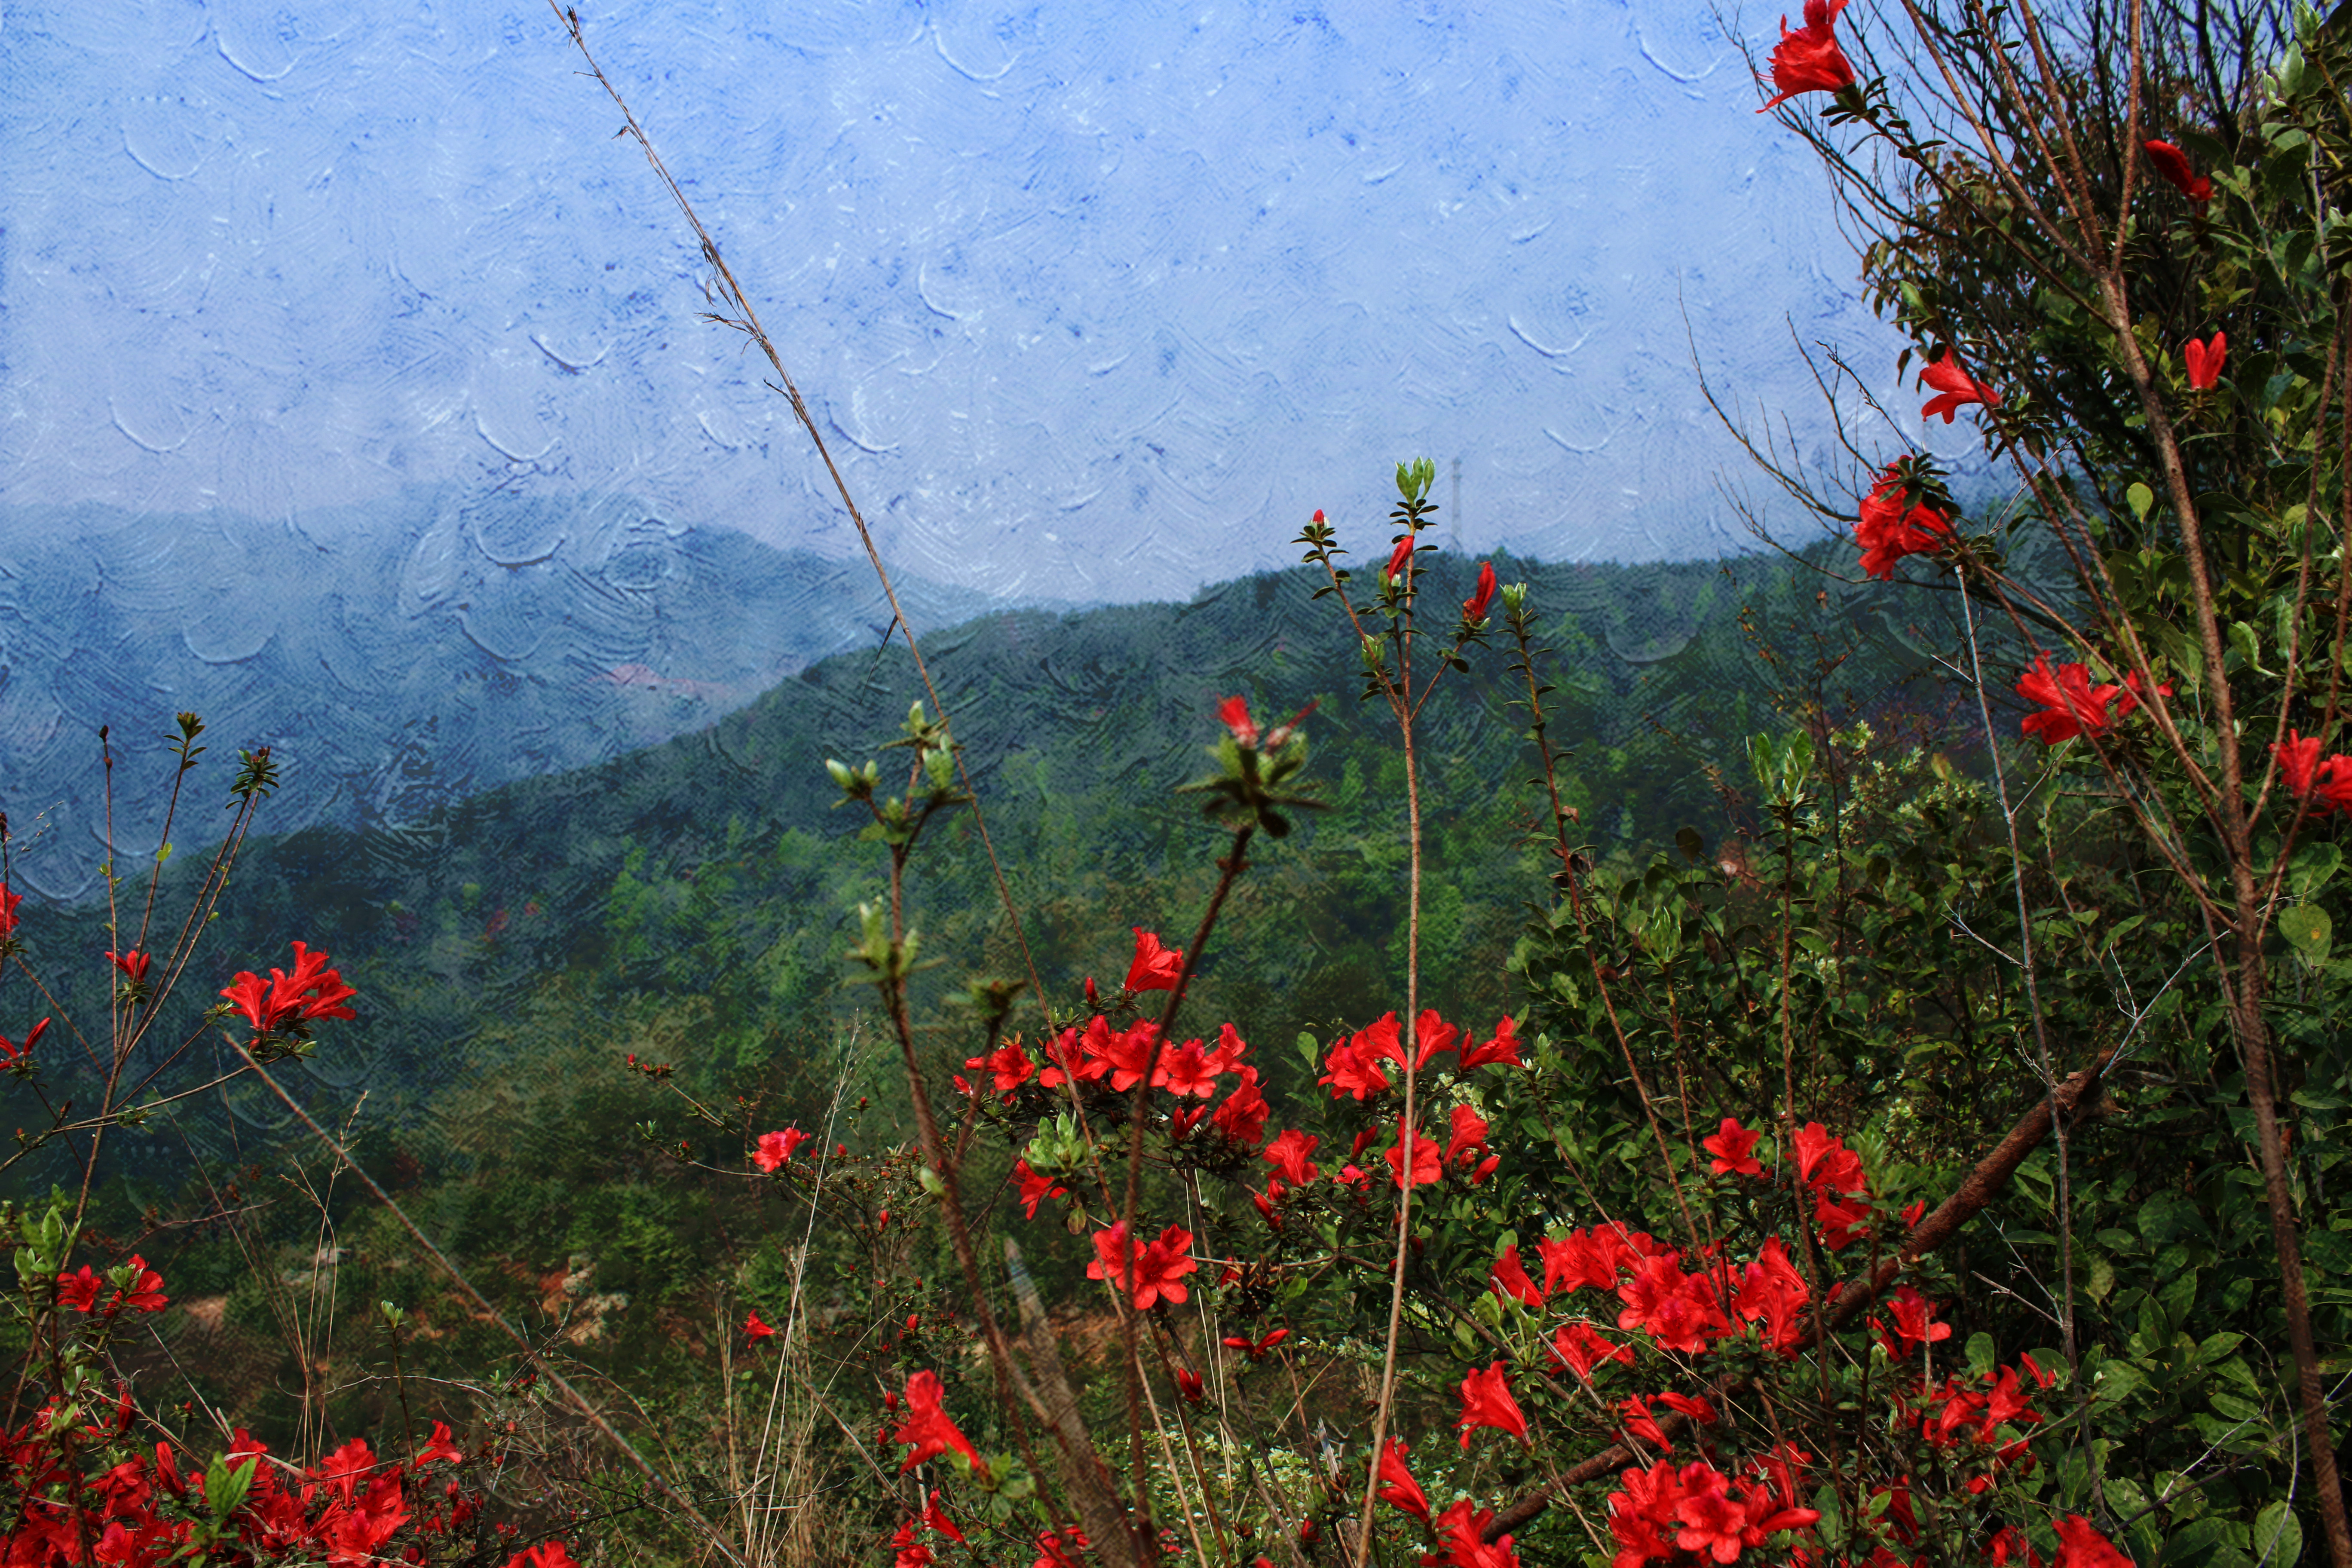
pixel 927 1425
pixel 312 991
pixel 1426 1167
pixel 439 1448
pixel 1433 1036
pixel 2335 784
pixel 1887 533
pixel 1956 387
pixel 12 1054
pixel 8 902
pixel 2071 705
pixel 1189 1384
pixel 1509 1279
pixel 756 1328
pixel 2205 361
pixel 2173 164
pixel 1584 1347
pixel 1127 1055
pixel 2298 760
pixel 1675 1309
pixel 1825 1163
pixel 1234 715
pixel 145 1291
pixel 1069 1061
pixel 1733 1148
pixel 1288 1155
pixel 908 1552
pixel 1155 968
pixel 1696 1408
pixel 1772 1291
pixel 1353 1072
pixel 1242 1117
pixel 1809 60
pixel 1473 608
pixel 1034 1188
pixel 1487 1401
pixel 1913 1316
pixel 546 1554
pixel 1397 1485
pixel 1573 1262
pixel 78 1290
pixel 936 1518
pixel 2081 1546
pixel 774 1149
pixel 1502 1050
pixel 1151 1272
pixel 1008 1063
pixel 1712 1524
pixel 1185 1070
pixel 1256 1348
pixel 1230 1050
pixel 1468 1142
pixel 133 964
pixel 1641 1424
pixel 1399 559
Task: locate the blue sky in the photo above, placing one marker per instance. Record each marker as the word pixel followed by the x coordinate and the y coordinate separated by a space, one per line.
pixel 1095 300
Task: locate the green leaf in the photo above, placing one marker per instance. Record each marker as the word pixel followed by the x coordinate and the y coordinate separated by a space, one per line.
pixel 2141 499
pixel 2308 929
pixel 2278 1536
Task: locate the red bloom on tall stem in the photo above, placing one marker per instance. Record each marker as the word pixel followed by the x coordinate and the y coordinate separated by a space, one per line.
pixel 1734 1150
pixel 1584 1347
pixel 1487 1401
pixel 2080 1545
pixel 927 1426
pixel 1155 968
pixel 1397 1485
pixel 1288 1155
pixel 1473 608
pixel 312 991
pixel 1887 533
pixel 1354 1070
pixel 1234 715
pixel 2071 705
pixel 1955 388
pixel 2173 164
pixel 1502 1050
pixel 1151 1272
pixel 134 965
pixel 1009 1063
pixel 1510 1279
pixel 2298 760
pixel 1185 1072
pixel 1808 60
pixel 1426 1166
pixel 1468 1139
pixel 1399 558
pixel 1034 1188
pixel 13 1054
pixel 8 902
pixel 2205 361
pixel 774 1149
pixel 756 1329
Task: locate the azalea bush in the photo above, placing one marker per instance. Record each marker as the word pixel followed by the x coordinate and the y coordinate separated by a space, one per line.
pixel 98 1468
pixel 2024 1274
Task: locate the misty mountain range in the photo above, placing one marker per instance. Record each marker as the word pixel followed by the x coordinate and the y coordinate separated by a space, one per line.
pixel 395 657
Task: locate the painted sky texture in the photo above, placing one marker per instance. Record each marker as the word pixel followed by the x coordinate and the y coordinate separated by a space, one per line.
pixel 1095 300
